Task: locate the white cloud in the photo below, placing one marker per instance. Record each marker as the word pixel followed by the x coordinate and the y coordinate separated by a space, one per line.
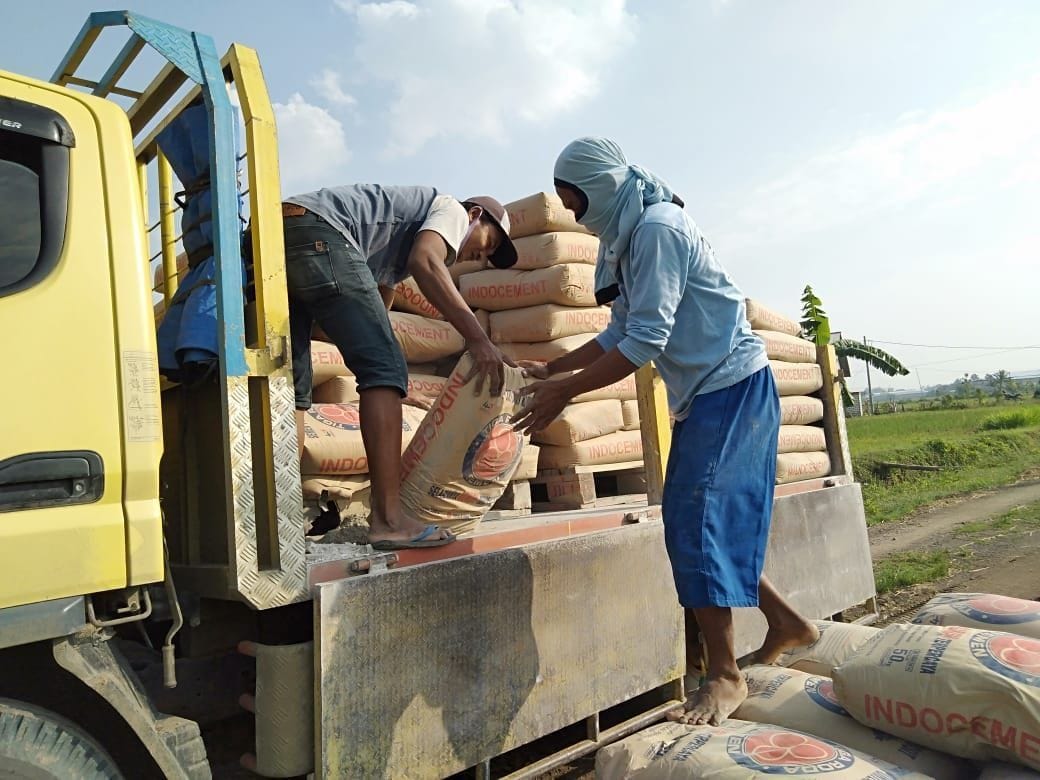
pixel 472 68
pixel 935 158
pixel 312 145
pixel 329 87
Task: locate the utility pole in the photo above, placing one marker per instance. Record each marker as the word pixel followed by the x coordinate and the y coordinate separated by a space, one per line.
pixel 870 392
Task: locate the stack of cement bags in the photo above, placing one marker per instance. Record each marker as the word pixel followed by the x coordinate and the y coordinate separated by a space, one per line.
pixel 802 447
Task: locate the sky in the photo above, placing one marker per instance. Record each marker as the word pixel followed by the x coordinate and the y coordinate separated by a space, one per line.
pixel 885 152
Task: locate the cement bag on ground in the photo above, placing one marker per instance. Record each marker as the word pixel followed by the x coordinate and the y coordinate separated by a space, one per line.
pixel 547 350
pixel 805 702
pixel 463 267
pixel 423 339
pixel 800 410
pixel 547 249
pixel 764 318
pixel 837 643
pixel 801 438
pixel 425 385
pixel 625 390
pixel 630 415
pixel 326 362
pixel 619 447
pixel 796 378
pixel 497 289
pixel 796 466
pixel 528 468
pixel 409 298
pixel 338 390
pixel 542 212
pixel 781 346
pixel 579 422
pixel 974 694
pixel 736 750
pixel 547 322
pixel 982 610
pixel 464 453
pixel 332 438
pixel 1000 771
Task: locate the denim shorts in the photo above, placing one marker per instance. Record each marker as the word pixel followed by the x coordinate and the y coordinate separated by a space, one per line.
pixel 330 283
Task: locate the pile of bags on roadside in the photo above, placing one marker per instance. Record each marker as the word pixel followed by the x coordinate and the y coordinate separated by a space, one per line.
pixel 954 695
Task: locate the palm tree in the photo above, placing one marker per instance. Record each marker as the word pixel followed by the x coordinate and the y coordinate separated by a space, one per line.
pixel 1000 381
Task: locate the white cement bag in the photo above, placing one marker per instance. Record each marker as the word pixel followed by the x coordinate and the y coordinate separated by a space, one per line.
pixel 796 378
pixel 837 643
pixel 736 751
pixel 579 422
pixel 465 452
pixel 630 415
pixel 623 390
pixel 801 438
pixel 332 438
pixel 619 447
pixel 764 318
pixel 546 249
pixel 982 610
pixel 800 410
pixel 463 267
pixel 326 362
pixel 547 322
pixel 528 468
pixel 805 702
pixel 423 339
pixel 999 771
pixel 338 390
pixel 974 694
pixel 542 212
pixel 796 466
pixel 792 349
pixel 547 350
pixel 425 385
pixel 497 289
pixel 409 298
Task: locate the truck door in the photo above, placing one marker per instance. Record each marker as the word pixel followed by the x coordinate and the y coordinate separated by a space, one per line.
pixel 62 529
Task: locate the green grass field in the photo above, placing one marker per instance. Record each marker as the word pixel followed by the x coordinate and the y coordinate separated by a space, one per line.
pixel 975 448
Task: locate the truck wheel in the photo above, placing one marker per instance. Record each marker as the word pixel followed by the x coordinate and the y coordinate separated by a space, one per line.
pixel 38 745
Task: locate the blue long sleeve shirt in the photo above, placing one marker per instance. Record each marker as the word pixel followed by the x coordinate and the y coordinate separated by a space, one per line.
pixel 678 307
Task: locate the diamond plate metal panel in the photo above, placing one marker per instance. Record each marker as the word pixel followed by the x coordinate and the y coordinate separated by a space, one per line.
pixel 285 709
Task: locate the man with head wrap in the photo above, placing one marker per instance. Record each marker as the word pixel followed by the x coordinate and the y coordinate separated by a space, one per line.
pixel 673 303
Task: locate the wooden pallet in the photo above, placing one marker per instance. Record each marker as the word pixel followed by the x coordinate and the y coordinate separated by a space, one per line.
pixel 585 487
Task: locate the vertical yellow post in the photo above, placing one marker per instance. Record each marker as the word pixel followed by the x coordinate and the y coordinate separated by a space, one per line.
pixel 833 412
pixel 657 433
pixel 142 181
pixel 167 226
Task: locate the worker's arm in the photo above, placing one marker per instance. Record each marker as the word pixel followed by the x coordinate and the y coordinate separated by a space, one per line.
pixel 426 265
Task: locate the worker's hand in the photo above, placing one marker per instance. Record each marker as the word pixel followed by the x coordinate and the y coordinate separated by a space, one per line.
pixel 543 403
pixel 489 364
pixel 535 369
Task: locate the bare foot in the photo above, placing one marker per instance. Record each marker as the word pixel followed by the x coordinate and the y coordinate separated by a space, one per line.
pixel 782 637
pixel 405 529
pixel 713 702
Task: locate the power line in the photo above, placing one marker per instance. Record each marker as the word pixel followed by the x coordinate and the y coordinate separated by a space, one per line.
pixel 949 346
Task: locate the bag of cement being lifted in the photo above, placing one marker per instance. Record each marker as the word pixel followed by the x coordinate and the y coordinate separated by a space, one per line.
pixel 547 322
pixel 409 298
pixel 801 438
pixel 542 212
pixel 837 643
pixel 579 422
pixel 423 339
pixel 792 349
pixel 464 453
pixel 763 318
pixel 546 249
pixel 974 694
pixel 982 610
pixel 805 702
pixel 736 750
pixel 798 466
pixel 800 410
pixel 796 378
pixel 497 289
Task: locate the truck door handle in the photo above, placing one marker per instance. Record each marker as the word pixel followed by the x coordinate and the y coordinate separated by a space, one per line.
pixel 43 479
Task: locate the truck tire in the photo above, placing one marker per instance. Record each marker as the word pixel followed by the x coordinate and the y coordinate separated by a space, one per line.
pixel 38 745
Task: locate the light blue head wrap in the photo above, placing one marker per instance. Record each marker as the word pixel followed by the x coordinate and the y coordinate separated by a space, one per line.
pixel 617 194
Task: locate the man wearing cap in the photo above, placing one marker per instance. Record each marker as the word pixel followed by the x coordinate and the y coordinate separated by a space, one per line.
pixel 345 249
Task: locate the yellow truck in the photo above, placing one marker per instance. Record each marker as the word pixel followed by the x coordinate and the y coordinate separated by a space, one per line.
pixel 160 614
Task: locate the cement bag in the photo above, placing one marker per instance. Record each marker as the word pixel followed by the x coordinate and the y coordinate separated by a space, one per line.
pixel 998 771
pixel 338 390
pixel 619 447
pixel 332 438
pixel 982 610
pixel 804 702
pixel 630 415
pixel 547 350
pixel 497 289
pixel 464 453
pixel 423 339
pixel 579 422
pixel 542 212
pixel 837 643
pixel 801 438
pixel 796 466
pixel 425 385
pixel 796 378
pixel 547 322
pixel 429 369
pixel 800 410
pixel 624 390
pixel 409 298
pixel 326 362
pixel 974 694
pixel 463 267
pixel 763 318
pixel 324 488
pixel 546 249
pixel 528 468
pixel 736 750
pixel 781 346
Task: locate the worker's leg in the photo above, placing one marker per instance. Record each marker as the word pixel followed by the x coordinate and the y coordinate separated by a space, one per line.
pixel 787 628
pixel 724 687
